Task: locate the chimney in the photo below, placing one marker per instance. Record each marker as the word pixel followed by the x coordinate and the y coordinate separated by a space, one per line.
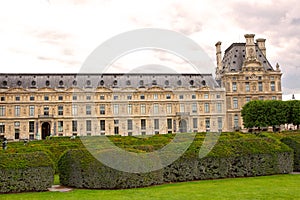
pixel 219 55
pixel 250 47
pixel 261 45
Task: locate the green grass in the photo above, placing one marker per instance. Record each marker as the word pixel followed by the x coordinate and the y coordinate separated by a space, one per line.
pixel 266 187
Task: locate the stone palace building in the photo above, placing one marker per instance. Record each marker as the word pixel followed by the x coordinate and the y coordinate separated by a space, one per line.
pixel 34 106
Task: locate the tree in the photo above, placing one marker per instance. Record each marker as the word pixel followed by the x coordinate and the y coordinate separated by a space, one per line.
pixel 293 112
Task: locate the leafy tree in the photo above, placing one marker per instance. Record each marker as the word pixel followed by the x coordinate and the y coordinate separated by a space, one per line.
pixel 293 112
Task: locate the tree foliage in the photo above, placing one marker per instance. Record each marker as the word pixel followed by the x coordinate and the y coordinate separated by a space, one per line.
pixel 271 113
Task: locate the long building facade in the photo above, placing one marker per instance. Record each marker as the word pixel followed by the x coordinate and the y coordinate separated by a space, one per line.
pixel 35 106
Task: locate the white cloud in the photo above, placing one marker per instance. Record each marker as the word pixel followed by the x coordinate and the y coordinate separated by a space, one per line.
pixel 57 35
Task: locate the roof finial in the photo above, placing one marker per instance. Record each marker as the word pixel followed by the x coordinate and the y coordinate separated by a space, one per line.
pixel 277 67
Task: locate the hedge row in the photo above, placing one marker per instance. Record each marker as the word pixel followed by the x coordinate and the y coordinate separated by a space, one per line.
pixel 294 143
pixel 78 168
pixel 25 172
pixel 229 158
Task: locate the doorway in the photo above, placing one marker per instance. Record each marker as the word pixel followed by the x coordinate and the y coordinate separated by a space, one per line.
pixel 182 126
pixel 45 130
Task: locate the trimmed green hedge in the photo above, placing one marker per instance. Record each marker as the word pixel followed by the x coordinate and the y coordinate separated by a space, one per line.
pixel 232 156
pixel 25 172
pixel 78 168
pixel 294 143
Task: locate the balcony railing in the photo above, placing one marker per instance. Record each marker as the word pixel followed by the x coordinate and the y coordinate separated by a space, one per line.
pixel 45 116
pixel 183 113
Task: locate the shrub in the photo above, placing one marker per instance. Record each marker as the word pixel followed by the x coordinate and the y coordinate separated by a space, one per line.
pixel 294 143
pixel 78 168
pixel 232 156
pixel 25 172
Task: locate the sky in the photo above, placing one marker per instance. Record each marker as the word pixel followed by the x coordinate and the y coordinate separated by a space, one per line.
pixel 56 36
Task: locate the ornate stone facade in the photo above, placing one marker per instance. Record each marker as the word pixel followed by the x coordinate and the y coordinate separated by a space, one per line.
pixel 35 106
pixel 246 75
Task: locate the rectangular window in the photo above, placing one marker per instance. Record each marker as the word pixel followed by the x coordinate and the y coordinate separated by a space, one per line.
pixel 129 97
pixel 220 125
pixel 74 97
pixel 181 107
pixel 31 98
pixel 248 99
pixel 155 108
pixel 273 97
pixel 116 109
pixel 31 127
pixel 2 111
pixel 60 126
pixel 102 125
pixel 116 97
pixel 2 127
pixel 17 134
pixel 143 109
pixel 155 96
pixel 60 110
pixel 17 98
pixel 88 109
pixel 205 96
pixel 102 97
pixel 46 98
pixel 88 124
pixel 74 126
pixel 129 124
pixel 273 86
pixel 194 108
pixel 260 86
pixel 156 124
pixel 17 111
pixel 234 86
pixel 116 122
pixel 193 96
pixel 102 109
pixel 169 123
pixel 219 107
pixel 116 130
pixel 261 98
pixel 2 98
pixel 129 109
pixel 143 124
pixel 168 96
pixel 88 97
pixel 236 121
pixel 207 123
pixel 169 108
pixel 60 98
pixel 218 96
pixel 195 123
pixel 181 96
pixel 74 110
pixel 142 96
pixel 247 87
pixel 46 110
pixel 31 110
pixel 206 107
pixel 235 102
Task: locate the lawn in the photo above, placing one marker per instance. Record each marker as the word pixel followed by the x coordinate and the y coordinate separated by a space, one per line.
pixel 265 187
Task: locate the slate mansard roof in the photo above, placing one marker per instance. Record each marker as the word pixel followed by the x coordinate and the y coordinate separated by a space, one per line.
pixel 235 55
pixel 106 80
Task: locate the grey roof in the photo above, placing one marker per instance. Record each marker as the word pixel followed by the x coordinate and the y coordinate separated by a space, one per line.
pixel 235 55
pixel 106 80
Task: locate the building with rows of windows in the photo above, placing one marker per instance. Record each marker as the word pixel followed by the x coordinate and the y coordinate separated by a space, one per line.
pixel 246 75
pixel 34 106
